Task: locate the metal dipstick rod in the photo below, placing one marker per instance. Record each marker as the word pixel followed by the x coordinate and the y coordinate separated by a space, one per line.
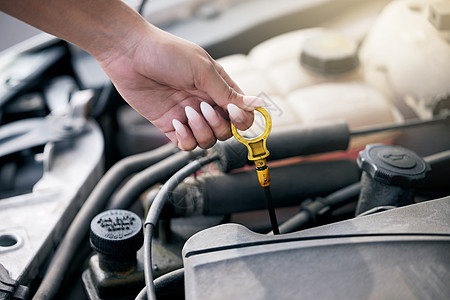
pixel 257 152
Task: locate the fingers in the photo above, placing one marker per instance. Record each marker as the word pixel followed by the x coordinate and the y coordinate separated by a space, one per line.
pixel 226 93
pixel 218 124
pixel 200 129
pixel 203 129
pixel 184 139
pixel 252 102
pixel 240 118
pixel 227 78
pixel 212 79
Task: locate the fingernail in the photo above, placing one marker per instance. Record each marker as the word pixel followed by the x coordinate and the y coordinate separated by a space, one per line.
pixel 194 118
pixel 209 113
pixel 235 113
pixel 254 102
pixel 179 128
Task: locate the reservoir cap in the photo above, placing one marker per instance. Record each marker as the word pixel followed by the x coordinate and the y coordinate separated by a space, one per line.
pixel 116 233
pixel 329 53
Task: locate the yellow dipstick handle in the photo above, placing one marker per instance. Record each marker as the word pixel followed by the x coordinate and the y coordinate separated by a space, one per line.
pixel 257 148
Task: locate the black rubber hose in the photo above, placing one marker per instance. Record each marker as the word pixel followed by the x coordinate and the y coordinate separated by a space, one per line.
pixel 142 294
pixel 312 209
pixel 343 196
pixel 155 211
pixel 437 178
pixel 405 124
pixel 210 194
pixel 167 286
pixel 160 171
pixel 289 141
pixel 438 158
pixel 79 228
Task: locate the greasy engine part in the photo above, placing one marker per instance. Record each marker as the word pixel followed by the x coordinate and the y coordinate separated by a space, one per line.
pixel 288 142
pixel 389 176
pixel 210 194
pixel 395 254
pixel 114 272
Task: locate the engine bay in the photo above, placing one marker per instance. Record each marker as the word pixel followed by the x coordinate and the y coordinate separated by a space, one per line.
pixel 95 203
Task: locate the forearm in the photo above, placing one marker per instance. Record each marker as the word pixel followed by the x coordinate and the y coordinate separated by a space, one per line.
pixel 101 27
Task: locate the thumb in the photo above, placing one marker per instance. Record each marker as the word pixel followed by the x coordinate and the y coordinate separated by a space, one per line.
pixel 225 92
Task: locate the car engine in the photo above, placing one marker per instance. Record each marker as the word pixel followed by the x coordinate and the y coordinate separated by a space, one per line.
pixel 95 203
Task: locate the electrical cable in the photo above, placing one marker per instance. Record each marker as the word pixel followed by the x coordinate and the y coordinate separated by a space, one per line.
pixel 155 210
pixel 79 228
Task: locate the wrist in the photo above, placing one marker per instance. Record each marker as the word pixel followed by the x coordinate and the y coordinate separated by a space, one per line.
pixel 117 31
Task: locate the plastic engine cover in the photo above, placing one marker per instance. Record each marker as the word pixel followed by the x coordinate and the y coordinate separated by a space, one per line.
pixel 399 254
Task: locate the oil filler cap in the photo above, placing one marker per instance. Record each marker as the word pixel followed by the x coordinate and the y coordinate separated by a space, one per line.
pixel 116 233
pixel 393 165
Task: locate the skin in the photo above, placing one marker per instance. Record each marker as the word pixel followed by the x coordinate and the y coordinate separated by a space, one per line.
pixel 163 77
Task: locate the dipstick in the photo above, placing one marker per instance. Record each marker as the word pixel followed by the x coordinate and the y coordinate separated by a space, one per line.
pixel 257 152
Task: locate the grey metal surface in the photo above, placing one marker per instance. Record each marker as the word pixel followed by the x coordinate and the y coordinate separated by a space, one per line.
pixel 28 133
pixel 35 222
pixel 398 254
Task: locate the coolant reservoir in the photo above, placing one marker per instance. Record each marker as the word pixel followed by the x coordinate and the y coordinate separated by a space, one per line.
pixel 289 62
pixel 294 60
pixel 407 53
pixel 306 57
pixel 310 75
pixel 360 104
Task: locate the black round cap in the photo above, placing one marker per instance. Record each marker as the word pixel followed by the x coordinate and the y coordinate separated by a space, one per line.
pixel 116 233
pixel 393 165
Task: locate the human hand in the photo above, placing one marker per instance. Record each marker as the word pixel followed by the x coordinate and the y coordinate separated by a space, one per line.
pixel 178 87
pixel 173 83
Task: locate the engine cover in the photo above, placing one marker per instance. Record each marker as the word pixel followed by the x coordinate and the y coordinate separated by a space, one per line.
pixel 397 254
